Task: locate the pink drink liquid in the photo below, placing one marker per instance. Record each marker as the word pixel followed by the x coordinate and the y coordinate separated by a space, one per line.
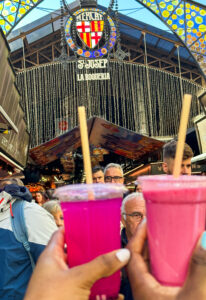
pixel 92 229
pixel 176 219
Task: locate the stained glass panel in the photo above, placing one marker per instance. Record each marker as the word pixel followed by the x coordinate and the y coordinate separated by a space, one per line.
pixel 188 20
pixel 11 12
pixel 152 5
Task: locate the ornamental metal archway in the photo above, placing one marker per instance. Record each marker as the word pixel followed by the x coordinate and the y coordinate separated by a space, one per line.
pixel 186 18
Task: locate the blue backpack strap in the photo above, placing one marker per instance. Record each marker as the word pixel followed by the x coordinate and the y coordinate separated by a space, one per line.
pixel 19 227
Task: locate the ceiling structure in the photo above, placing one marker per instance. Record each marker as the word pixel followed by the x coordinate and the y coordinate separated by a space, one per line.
pixel 40 43
pixel 187 19
pixel 11 12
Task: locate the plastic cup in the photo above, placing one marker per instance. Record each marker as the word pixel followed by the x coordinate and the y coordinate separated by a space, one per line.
pixel 175 221
pixel 92 227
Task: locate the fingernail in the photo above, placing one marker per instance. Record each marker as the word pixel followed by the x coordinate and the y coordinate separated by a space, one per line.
pixel 203 240
pixel 123 255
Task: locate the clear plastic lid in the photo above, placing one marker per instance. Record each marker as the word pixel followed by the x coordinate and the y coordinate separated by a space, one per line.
pixel 84 192
pixel 165 188
pixel 162 182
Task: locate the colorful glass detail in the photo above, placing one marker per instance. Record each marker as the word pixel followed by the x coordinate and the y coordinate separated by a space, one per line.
pixel 188 20
pixel 87 37
pixel 11 12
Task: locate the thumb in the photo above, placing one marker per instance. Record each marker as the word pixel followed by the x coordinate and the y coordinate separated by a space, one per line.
pixel 194 287
pixel 103 266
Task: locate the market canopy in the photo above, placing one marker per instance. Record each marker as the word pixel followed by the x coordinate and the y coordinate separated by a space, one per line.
pixel 102 134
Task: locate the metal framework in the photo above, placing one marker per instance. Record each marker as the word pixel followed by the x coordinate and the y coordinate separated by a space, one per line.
pixel 12 12
pixel 187 19
pixel 47 49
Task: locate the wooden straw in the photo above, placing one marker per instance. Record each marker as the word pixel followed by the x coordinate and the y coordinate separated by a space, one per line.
pixel 182 134
pixel 85 144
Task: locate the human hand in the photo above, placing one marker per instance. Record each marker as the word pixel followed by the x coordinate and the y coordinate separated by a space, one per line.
pixel 52 279
pixel 146 287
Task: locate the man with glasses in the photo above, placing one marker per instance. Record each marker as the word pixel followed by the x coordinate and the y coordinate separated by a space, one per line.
pixel 113 173
pixel 132 213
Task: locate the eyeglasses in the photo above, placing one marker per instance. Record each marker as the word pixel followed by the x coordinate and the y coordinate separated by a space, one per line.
pixel 115 178
pixel 137 216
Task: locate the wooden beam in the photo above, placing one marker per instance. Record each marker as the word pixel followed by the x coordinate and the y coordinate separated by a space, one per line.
pixel 140 40
pixel 152 33
pixel 39 50
pixel 31 62
pixel 26 44
pixel 137 57
pixel 154 61
pixel 23 34
pixel 46 57
pixel 172 52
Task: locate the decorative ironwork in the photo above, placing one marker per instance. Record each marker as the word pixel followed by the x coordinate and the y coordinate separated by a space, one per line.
pixel 63 58
pixel 186 18
pixel 85 33
pixel 119 53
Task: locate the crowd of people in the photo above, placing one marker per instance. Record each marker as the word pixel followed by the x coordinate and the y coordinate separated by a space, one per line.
pixel 52 279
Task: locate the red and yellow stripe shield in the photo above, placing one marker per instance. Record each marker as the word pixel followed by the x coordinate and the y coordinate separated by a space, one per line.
pixel 90 32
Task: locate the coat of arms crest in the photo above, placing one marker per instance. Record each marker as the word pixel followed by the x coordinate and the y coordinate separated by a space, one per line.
pixel 90 32
pixel 85 31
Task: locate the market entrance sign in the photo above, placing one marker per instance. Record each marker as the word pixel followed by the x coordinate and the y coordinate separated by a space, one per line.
pixel 90 33
pixel 92 64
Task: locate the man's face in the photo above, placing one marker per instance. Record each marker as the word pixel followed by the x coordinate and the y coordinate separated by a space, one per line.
pixel 113 175
pixel 134 212
pixel 186 168
pixel 98 177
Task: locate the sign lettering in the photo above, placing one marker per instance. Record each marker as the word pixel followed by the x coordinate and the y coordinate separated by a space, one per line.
pixel 89 16
pixel 97 76
pixel 92 64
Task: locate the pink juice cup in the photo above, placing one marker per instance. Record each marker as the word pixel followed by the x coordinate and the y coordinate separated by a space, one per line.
pixel 175 221
pixel 92 227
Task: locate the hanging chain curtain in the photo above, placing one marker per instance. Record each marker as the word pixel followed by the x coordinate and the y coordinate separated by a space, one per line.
pixel 51 93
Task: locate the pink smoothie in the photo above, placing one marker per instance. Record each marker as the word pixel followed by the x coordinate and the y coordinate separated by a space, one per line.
pixel 176 219
pixel 92 229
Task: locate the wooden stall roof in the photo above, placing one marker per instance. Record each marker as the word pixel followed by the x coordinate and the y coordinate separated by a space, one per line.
pixel 101 133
